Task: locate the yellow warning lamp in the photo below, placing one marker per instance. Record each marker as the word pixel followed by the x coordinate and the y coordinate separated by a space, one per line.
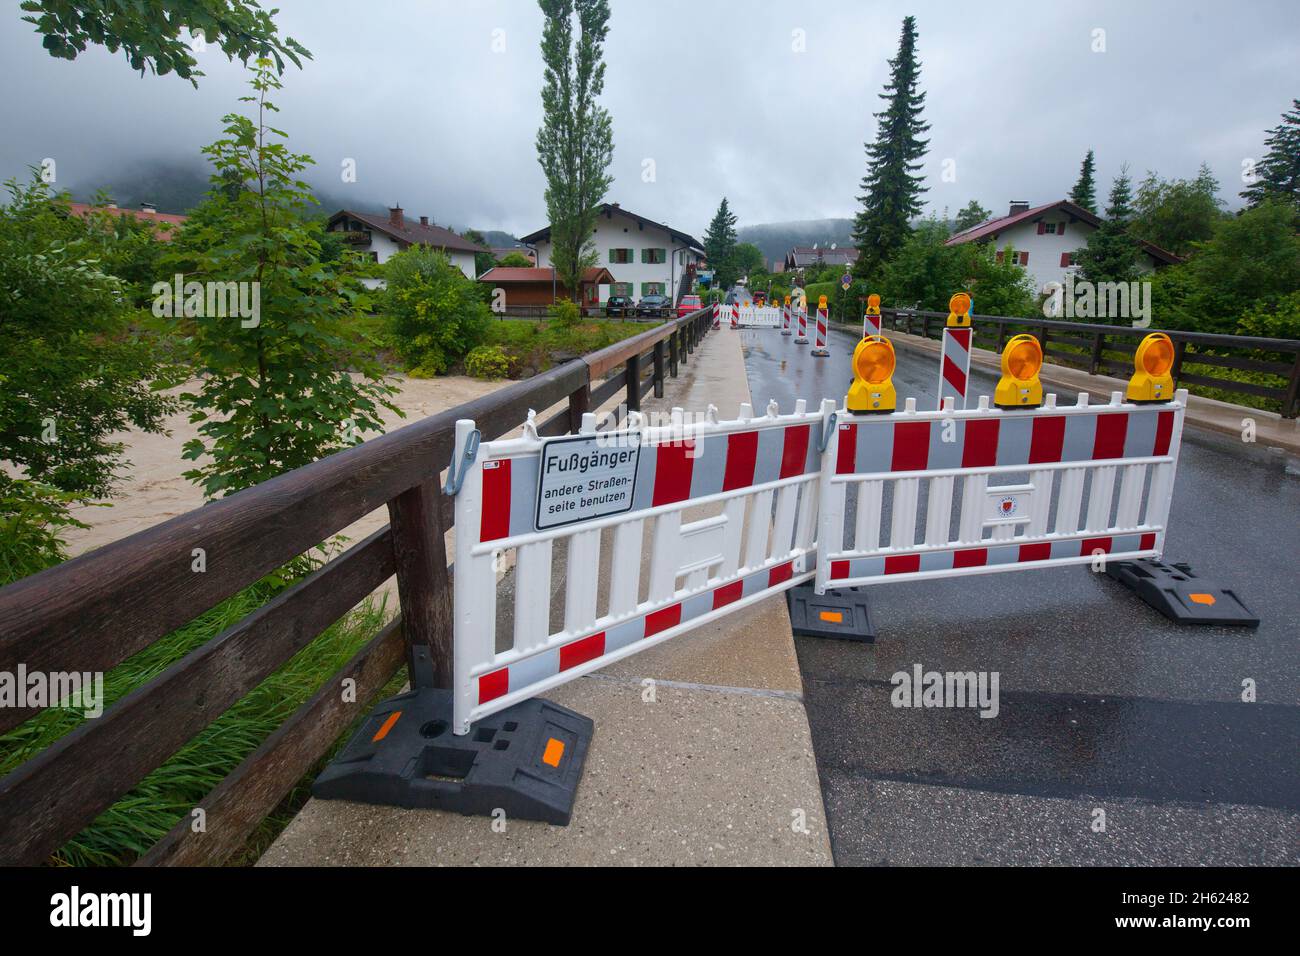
pixel 1019 386
pixel 873 304
pixel 1151 382
pixel 787 300
pixel 873 370
pixel 821 303
pixel 959 311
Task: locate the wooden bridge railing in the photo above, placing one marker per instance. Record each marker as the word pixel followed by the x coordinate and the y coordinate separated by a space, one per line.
pixel 93 612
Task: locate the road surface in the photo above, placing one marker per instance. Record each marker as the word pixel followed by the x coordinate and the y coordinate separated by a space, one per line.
pixel 1104 704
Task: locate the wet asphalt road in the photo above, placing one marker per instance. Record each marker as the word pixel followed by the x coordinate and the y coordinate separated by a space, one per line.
pixel 1104 704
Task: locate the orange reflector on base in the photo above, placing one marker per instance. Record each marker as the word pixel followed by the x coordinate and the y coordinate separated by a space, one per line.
pixel 382 732
pixel 835 617
pixel 1202 598
pixel 554 752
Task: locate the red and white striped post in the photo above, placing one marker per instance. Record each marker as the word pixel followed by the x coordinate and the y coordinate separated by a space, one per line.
pixel 954 356
pixel 735 315
pixel 717 315
pixel 819 349
pixel 871 318
pixel 802 337
pixel 785 317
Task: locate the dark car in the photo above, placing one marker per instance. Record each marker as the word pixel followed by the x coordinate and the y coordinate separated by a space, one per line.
pixel 653 305
pixel 618 305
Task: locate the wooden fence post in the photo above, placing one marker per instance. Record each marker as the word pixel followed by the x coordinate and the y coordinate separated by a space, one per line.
pixel 423 586
pixel 659 369
pixel 634 383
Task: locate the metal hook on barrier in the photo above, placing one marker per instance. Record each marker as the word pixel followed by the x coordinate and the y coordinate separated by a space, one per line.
pixel 456 476
pixel 828 426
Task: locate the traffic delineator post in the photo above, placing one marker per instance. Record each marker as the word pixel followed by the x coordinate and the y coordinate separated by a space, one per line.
pixel 802 337
pixel 785 317
pixel 717 315
pixel 871 317
pixel 955 351
pixel 819 349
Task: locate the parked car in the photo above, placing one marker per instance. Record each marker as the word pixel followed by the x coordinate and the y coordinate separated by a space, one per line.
pixel 688 304
pixel 654 305
pixel 618 305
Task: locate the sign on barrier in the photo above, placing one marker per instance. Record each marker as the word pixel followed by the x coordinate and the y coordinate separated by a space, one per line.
pixel 1002 489
pixel 690 521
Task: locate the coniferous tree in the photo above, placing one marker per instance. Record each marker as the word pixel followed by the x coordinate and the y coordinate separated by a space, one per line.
pixel 720 246
pixel 892 184
pixel 1277 176
pixel 1084 192
pixel 576 142
pixel 1112 251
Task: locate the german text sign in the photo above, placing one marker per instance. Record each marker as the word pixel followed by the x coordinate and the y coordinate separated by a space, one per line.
pixel 585 477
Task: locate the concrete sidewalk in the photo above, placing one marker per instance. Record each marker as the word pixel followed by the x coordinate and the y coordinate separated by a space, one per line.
pixel 715 766
pixel 1271 429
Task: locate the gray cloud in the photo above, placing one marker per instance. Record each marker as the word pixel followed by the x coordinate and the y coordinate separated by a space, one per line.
pixel 713 93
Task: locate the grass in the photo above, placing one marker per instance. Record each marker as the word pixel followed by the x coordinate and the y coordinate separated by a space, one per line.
pixel 142 816
pixel 537 343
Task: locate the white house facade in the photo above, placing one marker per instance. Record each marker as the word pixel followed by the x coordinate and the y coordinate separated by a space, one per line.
pixel 645 257
pixel 1045 240
pixel 381 237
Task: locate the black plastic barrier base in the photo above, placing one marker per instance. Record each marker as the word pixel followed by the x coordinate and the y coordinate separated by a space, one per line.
pixel 1180 594
pixel 842 613
pixel 526 760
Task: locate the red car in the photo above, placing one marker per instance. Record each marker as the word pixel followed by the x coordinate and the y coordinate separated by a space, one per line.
pixel 687 305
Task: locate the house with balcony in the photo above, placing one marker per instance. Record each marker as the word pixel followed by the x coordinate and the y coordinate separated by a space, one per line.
pixel 644 257
pixel 380 237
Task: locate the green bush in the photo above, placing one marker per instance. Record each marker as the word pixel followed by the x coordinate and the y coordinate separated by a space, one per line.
pixel 487 361
pixel 437 314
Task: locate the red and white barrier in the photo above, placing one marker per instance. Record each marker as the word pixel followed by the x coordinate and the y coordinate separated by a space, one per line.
pixel 819 347
pixel 802 337
pixel 870 325
pixel 735 315
pixel 717 315
pixel 954 364
pixel 785 320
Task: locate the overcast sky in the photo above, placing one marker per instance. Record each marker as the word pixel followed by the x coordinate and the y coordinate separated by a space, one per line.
pixel 717 94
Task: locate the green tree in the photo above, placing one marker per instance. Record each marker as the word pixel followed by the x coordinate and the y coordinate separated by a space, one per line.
pixel 72 374
pixel 892 186
pixel 924 273
pixel 483 261
pixel 1111 254
pixel 150 33
pixel 515 260
pixel 437 315
pixel 576 141
pixel 1277 175
pixel 1084 192
pixel 276 391
pixel 720 246
pixel 748 259
pixel 971 215
pixel 1177 213
pixel 998 286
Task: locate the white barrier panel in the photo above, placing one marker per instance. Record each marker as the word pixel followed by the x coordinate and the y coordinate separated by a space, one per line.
pixel 751 317
pixel 750 487
pixel 1038 488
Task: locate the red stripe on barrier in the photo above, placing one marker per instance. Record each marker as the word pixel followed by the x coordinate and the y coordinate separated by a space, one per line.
pixel 954 376
pixel 970 558
pixel 1164 433
pixel 839 569
pixel 661 620
pixel 1035 552
pixel 728 594
pixel 902 563
pixel 961 337
pixel 1048 439
pixel 1111 430
pixel 911 446
pixel 980 448
pixel 579 652
pixel 1147 542
pixel 673 466
pixel 742 451
pixel 496 502
pixel 794 453
pixel 493 685
pixel 780 574
pixel 846 458
pixel 1089 545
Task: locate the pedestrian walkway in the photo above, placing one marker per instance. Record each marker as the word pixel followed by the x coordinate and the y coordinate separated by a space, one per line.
pixel 702 753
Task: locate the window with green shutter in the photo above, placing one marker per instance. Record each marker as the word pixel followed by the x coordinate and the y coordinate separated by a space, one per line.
pixel 654 257
pixel 620 256
pixel 652 288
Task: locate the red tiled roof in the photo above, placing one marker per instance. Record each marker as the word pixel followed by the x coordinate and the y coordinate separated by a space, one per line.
pixel 596 274
pixel 411 232
pixel 84 209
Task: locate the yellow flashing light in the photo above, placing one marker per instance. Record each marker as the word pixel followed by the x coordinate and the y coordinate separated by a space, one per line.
pixel 1019 386
pixel 872 390
pixel 1152 381
pixel 959 310
pixel 821 302
pixel 873 304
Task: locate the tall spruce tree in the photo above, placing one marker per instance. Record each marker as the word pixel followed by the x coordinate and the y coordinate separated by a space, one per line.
pixel 576 141
pixel 1112 252
pixel 1084 192
pixel 892 184
pixel 720 246
pixel 1278 173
